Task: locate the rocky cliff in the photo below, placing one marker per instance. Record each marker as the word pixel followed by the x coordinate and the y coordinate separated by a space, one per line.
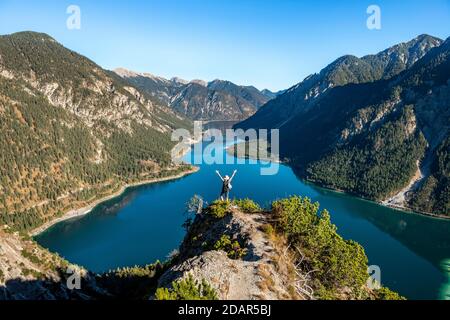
pixel 345 70
pixel 264 272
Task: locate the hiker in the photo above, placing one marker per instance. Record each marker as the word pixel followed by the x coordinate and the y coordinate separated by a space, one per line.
pixel 226 186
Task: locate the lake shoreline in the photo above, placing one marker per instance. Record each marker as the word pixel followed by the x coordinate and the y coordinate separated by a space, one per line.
pixel 80 212
pixel 382 203
pixel 378 202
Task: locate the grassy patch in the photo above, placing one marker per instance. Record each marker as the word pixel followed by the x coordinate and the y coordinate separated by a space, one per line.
pixel 232 248
pixel 247 205
pixel 219 209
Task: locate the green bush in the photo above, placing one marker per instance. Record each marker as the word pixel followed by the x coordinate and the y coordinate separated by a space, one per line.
pixel 187 289
pixel 132 283
pixel 247 205
pixel 337 263
pixel 232 248
pixel 219 209
pixel 386 294
pixel 268 229
pixel 31 256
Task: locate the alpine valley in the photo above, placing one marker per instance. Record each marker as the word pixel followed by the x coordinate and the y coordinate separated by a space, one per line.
pixel 71 131
pixel 76 137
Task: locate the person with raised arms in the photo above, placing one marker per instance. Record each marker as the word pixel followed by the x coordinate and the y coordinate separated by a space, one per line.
pixel 226 185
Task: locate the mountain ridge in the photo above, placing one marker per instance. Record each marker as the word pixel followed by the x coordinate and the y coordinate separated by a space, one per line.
pixel 344 70
pixel 372 138
pixel 71 130
pixel 198 99
pixel 234 250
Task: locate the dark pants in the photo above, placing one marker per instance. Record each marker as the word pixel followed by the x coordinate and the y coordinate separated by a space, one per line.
pixel 225 195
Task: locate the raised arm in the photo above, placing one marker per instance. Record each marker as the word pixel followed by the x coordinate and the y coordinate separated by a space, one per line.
pixel 218 173
pixel 234 173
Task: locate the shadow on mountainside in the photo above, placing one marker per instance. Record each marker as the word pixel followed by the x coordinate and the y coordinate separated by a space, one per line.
pixel 46 289
pixel 136 283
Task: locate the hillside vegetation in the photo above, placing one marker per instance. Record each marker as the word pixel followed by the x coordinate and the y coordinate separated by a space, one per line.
pixel 376 126
pixel 71 131
pixel 232 250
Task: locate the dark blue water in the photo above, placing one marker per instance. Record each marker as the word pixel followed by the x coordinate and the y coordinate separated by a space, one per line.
pixel 145 224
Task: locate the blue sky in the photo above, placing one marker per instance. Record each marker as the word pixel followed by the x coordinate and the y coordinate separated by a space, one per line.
pixel 266 43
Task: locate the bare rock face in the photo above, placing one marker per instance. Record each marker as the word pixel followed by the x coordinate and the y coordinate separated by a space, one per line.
pixel 76 84
pixel 264 272
pixel 198 99
pixel 69 126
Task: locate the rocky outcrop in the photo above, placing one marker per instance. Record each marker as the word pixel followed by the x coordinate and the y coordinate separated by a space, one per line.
pixel 361 125
pixel 264 272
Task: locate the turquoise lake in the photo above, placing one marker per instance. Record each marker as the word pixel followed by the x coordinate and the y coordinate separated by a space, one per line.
pixel 145 224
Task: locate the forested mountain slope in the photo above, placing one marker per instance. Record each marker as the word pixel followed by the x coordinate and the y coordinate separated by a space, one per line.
pixel 373 136
pixel 379 138
pixel 71 131
pixel 199 100
pixel 345 70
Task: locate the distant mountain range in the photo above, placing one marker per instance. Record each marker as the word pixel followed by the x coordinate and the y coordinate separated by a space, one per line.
pixel 271 94
pixel 198 99
pixel 376 126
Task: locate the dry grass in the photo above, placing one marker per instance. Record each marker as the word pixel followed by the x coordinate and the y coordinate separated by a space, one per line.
pixel 284 262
